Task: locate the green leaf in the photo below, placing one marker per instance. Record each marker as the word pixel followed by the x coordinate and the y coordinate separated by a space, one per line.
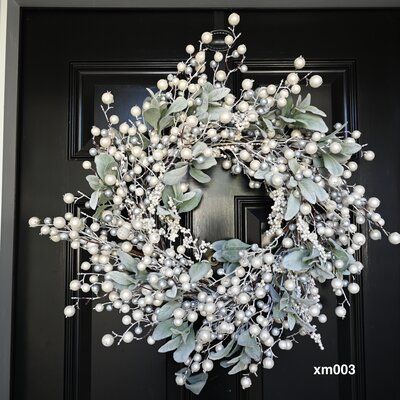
pixel 121 278
pixel 94 199
pixel 311 122
pixel 167 310
pixel 195 383
pixel 246 340
pixel 218 94
pixel 254 352
pixel 179 104
pixel 152 116
pixel 175 175
pixel 198 148
pixel 128 261
pixel 206 164
pixel 287 119
pixel 231 249
pixel 163 329
pixel 182 353
pixel 215 112
pixel 191 204
pixel 199 175
pixel 306 101
pixel 293 261
pixel 199 270
pixel 218 245
pixel 320 192
pixel 315 110
pixel 105 164
pixel 222 353
pixel 311 191
pixel 332 165
pixel 94 182
pixel 165 122
pixel 291 321
pixel 260 173
pixel 294 165
pixel 171 345
pixel 293 207
pixel 350 148
pixel 307 189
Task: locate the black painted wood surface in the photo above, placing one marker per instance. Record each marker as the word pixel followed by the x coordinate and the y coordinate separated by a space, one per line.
pixel 70 56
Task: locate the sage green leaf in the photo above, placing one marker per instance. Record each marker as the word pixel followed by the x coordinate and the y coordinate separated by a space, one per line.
pixel 172 292
pixel 240 366
pixel 315 110
pixel 222 353
pixel 167 309
pixel 260 173
pixel 231 249
pixel 294 165
pixel 246 340
pixel 163 329
pixel 171 345
pixel 167 193
pixel 105 164
pixel 332 165
pixel 307 189
pixel 94 182
pixel 199 175
pixel 350 148
pixel 199 270
pixel 293 207
pixel 152 116
pixel 215 112
pixel 99 211
pixel 206 164
pixel 128 261
pixel 179 104
pixel 191 204
pixel 94 199
pixel 291 319
pixel 268 123
pixel 182 353
pixel 287 119
pixel 218 94
pixel 187 196
pixel 195 383
pixel 198 148
pixel 305 102
pixel 218 245
pixel 201 110
pixel 236 244
pixel 175 176
pixel 121 278
pixel 320 192
pixel 311 122
pixel 254 352
pixel 293 261
pixel 165 122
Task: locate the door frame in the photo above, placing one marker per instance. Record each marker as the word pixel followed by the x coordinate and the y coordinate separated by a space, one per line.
pixel 10 12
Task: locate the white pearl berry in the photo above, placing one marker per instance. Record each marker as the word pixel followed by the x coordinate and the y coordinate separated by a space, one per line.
pixel 299 62
pixel 69 311
pixel 107 98
pixel 107 340
pixel 206 37
pixel 394 238
pixel 315 81
pixel 234 19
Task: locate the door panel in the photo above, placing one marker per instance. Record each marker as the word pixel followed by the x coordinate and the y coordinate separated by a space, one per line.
pixel 60 90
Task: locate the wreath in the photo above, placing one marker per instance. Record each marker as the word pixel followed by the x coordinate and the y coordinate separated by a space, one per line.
pixel 227 301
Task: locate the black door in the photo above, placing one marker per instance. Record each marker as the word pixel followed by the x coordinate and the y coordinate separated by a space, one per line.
pixel 68 58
